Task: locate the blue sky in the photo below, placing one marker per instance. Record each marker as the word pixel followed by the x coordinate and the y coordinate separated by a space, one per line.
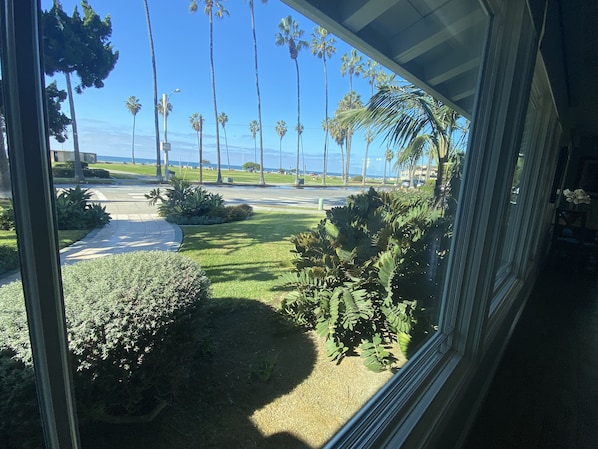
pixel 181 42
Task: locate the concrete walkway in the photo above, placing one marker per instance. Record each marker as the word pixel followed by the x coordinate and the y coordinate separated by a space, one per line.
pixel 125 233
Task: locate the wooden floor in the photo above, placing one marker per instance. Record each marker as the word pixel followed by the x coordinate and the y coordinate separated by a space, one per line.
pixel 545 391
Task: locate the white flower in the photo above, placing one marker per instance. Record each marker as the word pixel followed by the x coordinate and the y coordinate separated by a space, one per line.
pixel 578 196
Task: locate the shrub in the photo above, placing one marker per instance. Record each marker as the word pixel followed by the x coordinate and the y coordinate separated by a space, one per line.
pixel 63 172
pixel 7 217
pixel 73 211
pixel 355 271
pixel 131 322
pixel 183 204
pixel 96 173
pixel 238 213
pixel 9 258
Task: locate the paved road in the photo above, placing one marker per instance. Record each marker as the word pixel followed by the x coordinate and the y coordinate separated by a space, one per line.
pixel 121 199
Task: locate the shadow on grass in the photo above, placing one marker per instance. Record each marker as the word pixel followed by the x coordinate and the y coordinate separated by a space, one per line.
pixel 249 356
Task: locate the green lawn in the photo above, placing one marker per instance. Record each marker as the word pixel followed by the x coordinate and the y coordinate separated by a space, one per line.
pixel 245 259
pixel 65 238
pixel 209 176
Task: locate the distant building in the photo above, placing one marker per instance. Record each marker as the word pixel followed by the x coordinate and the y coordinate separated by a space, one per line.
pixel 64 156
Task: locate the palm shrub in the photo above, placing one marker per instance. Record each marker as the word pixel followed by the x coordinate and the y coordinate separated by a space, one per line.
pixel 185 204
pixel 132 331
pixel 353 274
pixel 74 211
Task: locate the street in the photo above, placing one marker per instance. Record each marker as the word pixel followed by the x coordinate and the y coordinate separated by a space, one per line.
pixel 130 199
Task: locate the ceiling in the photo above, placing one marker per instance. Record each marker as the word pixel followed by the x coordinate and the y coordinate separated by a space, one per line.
pixel 437 45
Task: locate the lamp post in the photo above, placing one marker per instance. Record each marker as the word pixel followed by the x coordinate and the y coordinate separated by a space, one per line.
pixel 165 144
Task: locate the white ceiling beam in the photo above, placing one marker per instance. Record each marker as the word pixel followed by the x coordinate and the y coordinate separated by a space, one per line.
pixel 357 15
pixel 439 73
pixel 411 43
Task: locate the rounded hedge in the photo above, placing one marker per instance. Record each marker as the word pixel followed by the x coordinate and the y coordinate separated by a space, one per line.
pixel 131 322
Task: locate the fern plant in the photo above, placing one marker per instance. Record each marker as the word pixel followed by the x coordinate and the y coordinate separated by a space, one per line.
pixel 353 275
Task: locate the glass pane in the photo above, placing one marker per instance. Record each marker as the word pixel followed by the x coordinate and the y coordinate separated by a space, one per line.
pixel 19 413
pixel 322 294
pixel 510 228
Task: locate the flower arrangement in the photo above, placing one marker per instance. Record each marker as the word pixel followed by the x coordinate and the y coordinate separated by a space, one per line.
pixel 577 196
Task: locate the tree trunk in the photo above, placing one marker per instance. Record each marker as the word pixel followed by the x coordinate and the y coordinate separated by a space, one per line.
pixel 78 170
pixel 348 148
pixel 200 137
pixel 155 81
pixel 298 125
pixel 133 144
pixel 365 162
pixel 326 118
pixel 218 167
pixel 259 99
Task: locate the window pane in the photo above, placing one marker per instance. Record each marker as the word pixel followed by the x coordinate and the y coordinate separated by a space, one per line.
pixel 276 363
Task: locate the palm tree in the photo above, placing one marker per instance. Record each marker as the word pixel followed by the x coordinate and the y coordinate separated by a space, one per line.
pixel 339 134
pixel 223 120
pixel 133 105
pixel 402 113
pixel 371 73
pixel 323 47
pixel 351 65
pixel 196 121
pixel 160 108
pixel 254 127
pixel 409 155
pixel 290 35
pixel 281 130
pixel 155 81
pixel 388 155
pixel 257 88
pixel 211 8
pixel 349 102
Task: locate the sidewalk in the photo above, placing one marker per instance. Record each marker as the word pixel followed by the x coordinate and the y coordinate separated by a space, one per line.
pixel 125 233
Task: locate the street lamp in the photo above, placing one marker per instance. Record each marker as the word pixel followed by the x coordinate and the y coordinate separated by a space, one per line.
pixel 165 144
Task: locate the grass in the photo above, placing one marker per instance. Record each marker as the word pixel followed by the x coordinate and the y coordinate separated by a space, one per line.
pixel 209 176
pixel 259 381
pixel 8 239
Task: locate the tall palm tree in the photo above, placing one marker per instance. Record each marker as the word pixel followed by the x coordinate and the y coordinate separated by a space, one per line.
pixel 388 156
pixel 134 106
pixel 290 34
pixel 213 8
pixel 350 101
pixel 223 120
pixel 257 88
pixel 281 130
pixel 402 113
pixel 254 127
pixel 322 46
pixel 196 121
pixel 351 65
pixel 155 83
pixel 371 73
